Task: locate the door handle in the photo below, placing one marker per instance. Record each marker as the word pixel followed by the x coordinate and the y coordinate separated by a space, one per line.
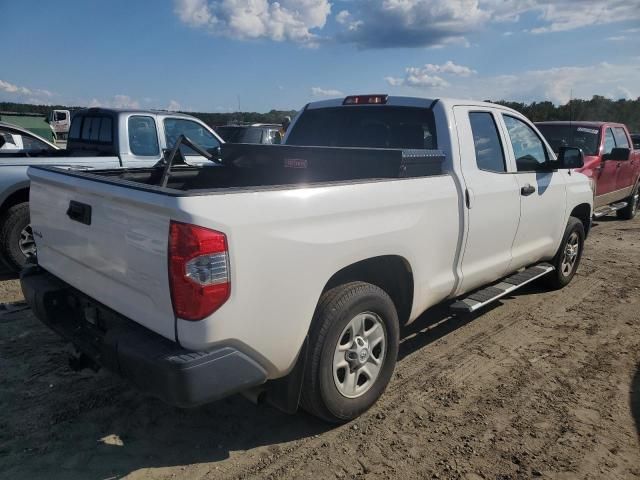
pixel 618 165
pixel 527 190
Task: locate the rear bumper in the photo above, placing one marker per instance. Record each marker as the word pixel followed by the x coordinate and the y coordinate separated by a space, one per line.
pixel 152 363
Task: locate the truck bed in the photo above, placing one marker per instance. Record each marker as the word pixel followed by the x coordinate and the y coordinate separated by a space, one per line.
pixel 106 233
pixel 261 166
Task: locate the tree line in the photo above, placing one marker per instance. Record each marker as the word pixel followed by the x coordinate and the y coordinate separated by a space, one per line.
pixel 212 119
pixel 597 108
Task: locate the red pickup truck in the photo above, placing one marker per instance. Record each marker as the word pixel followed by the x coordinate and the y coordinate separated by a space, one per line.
pixel 610 161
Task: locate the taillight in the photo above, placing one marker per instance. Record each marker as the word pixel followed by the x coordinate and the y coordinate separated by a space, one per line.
pixel 198 270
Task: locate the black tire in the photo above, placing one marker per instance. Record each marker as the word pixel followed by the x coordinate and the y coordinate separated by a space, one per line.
pixel 633 203
pixel 561 277
pixel 12 223
pixel 336 310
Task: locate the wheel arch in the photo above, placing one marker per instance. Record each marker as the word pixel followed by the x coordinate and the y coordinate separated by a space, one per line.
pixel 583 213
pixel 18 195
pixel 392 273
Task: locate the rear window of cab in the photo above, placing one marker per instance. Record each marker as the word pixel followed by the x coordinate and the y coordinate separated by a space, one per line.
pixel 366 126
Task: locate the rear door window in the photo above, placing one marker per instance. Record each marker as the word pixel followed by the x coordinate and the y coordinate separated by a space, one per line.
pixel 143 136
pixel 92 129
pixel 620 137
pixel 486 140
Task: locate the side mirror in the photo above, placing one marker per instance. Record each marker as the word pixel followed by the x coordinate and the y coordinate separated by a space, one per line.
pixel 618 154
pixel 570 157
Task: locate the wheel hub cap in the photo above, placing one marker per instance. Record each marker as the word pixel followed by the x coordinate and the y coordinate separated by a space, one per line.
pixel 571 251
pixel 359 355
pixel 26 243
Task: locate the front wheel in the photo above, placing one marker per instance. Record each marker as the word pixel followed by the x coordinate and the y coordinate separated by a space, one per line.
pixel 353 345
pixel 568 257
pixel 633 202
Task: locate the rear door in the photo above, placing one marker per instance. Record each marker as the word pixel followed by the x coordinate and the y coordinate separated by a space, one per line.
pixel 492 198
pixel 626 177
pixel 542 194
pixel 607 171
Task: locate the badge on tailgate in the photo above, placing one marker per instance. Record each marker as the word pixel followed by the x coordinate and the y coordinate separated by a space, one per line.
pixel 80 212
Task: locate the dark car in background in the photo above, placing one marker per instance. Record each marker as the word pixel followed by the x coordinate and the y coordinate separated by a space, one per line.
pixel 635 138
pixel 266 133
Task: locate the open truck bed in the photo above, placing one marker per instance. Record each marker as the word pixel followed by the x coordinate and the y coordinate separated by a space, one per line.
pixel 245 166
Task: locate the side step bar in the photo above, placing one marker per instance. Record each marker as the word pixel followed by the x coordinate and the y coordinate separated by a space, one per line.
pixel 607 209
pixel 485 296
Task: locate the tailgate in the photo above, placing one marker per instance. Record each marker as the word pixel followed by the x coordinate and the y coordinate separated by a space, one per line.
pixel 109 242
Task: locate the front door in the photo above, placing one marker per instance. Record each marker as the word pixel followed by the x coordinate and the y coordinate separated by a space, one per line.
pixel 542 195
pixel 492 198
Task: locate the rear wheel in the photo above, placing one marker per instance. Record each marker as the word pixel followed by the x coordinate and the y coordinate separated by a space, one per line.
pixel 16 236
pixel 568 257
pixel 353 349
pixel 633 202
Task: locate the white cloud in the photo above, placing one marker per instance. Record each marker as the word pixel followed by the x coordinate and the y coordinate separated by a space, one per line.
pixel 117 101
pixel 562 15
pixel 394 23
pixel 425 77
pixel 325 92
pixel 450 68
pixel 557 84
pixel 173 106
pixel 35 95
pixel 409 23
pixel 124 101
pixel 291 20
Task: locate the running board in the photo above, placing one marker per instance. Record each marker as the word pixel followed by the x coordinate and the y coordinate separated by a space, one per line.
pixel 607 209
pixel 483 297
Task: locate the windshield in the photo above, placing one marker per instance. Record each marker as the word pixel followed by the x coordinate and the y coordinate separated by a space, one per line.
pixel 585 138
pixel 373 127
pixel 231 134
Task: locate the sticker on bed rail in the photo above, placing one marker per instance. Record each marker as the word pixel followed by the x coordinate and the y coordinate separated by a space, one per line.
pixel 588 130
pixel 295 163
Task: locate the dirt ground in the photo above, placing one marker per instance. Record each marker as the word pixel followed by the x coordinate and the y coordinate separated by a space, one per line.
pixel 542 385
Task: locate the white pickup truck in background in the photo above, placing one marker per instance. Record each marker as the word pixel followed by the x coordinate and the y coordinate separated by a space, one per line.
pixel 99 138
pixel 288 270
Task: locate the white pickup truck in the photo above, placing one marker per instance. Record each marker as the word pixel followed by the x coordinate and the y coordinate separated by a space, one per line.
pixel 99 138
pixel 288 270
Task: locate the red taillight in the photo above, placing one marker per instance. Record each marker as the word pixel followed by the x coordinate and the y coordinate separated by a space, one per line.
pixel 198 270
pixel 366 100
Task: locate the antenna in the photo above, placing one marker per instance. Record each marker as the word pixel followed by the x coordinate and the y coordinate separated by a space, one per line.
pixel 571 114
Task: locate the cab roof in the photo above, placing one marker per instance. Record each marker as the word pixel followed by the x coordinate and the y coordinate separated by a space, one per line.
pixel 580 123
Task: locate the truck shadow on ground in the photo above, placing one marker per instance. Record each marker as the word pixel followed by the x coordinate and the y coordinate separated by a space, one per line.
pixel 100 427
pixel 634 399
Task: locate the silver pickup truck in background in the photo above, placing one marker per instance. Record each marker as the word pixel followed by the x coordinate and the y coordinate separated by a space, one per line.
pixel 98 139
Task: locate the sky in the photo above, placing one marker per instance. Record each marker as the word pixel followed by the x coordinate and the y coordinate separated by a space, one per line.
pixel 258 55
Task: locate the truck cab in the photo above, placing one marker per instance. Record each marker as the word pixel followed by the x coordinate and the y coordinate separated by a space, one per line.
pixel 60 121
pixel 610 161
